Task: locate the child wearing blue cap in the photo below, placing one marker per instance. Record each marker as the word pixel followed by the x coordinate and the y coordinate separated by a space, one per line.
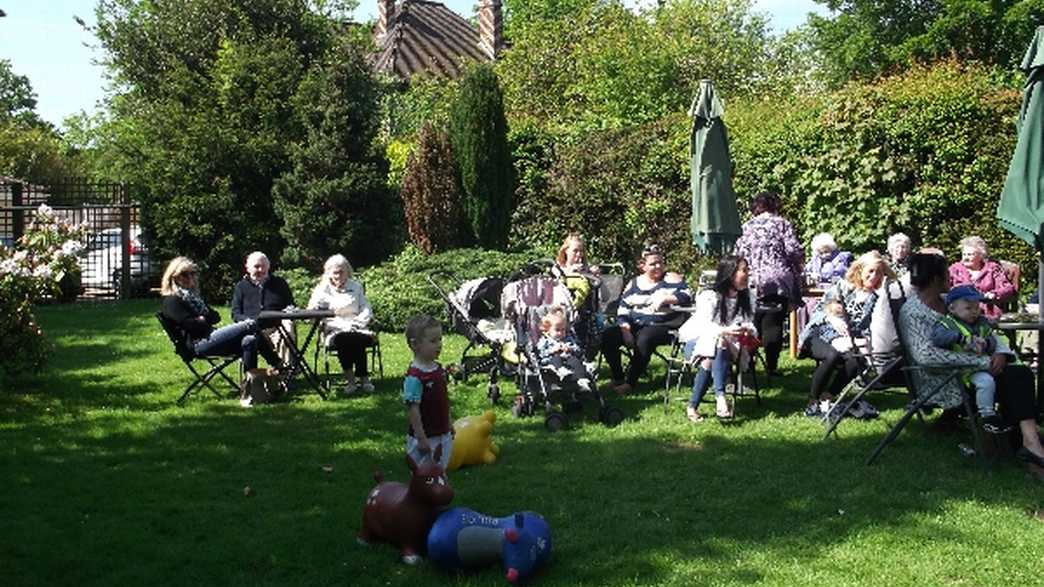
pixel 965 329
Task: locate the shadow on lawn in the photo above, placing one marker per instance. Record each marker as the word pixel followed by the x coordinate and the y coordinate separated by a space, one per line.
pixel 625 507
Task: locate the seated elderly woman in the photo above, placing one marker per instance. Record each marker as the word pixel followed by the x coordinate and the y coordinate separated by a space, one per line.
pixel 183 305
pixel 841 316
pixel 827 264
pixel 346 331
pixel 1014 383
pixel 986 275
pixel 899 248
pixel 644 318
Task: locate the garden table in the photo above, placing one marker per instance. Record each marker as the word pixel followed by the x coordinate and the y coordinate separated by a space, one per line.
pixel 297 360
pixel 808 294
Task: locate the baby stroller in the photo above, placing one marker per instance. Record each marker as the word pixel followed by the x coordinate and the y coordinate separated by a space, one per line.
pixel 599 298
pixel 524 304
pixel 473 310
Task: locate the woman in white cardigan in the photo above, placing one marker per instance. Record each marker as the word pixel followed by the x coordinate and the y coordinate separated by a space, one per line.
pixel 715 333
pixel 346 331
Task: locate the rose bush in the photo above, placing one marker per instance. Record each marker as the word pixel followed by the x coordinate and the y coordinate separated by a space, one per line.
pixel 29 272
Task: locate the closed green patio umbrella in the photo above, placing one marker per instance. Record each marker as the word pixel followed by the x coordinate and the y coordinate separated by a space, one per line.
pixel 715 222
pixel 1021 208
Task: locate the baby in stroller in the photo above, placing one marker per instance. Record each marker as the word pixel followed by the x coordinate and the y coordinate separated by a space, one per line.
pixel 559 350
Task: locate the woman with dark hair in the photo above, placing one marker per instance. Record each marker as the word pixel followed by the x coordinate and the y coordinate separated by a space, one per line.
pixel 644 318
pixel 843 314
pixel 715 334
pixel 776 259
pixel 920 313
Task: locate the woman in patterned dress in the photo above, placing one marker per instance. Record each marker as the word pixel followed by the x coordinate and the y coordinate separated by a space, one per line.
pixel 776 258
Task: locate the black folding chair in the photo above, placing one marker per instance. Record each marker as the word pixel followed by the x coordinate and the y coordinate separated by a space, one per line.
pixel 217 364
pixel 373 350
pixel 921 400
pixel 679 367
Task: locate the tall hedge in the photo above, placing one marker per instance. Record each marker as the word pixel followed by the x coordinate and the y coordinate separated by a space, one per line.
pixel 925 153
pixel 478 133
pixel 619 188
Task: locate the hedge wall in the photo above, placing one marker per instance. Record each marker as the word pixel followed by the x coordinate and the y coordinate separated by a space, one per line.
pixel 925 153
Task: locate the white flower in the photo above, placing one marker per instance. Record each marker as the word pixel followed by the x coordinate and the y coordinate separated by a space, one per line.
pixel 8 266
pixel 44 210
pixel 71 248
pixel 43 272
pixel 19 256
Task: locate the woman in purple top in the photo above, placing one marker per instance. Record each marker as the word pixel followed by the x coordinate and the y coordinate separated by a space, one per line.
pixel 828 265
pixel 986 275
pixel 774 255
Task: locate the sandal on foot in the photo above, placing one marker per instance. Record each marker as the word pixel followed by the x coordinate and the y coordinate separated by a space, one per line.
pixel 693 414
pixel 723 412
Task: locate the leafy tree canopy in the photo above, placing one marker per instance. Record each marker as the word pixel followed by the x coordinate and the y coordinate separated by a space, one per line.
pixel 866 38
pixel 600 64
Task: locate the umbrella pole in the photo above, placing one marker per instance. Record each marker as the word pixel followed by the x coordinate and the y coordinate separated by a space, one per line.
pixel 1040 333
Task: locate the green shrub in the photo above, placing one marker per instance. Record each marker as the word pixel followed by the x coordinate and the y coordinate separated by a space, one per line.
pixel 398 289
pixel 302 281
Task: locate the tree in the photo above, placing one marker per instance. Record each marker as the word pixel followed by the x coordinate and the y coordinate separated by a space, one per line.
pixel 334 199
pixel 430 194
pixel 216 103
pixel 867 38
pixel 17 99
pixel 478 133
pixel 600 64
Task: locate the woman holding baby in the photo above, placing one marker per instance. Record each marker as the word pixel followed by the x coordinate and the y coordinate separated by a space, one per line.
pixel 840 319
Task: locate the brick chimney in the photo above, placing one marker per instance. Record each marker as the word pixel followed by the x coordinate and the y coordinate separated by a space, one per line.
pixel 385 17
pixel 491 27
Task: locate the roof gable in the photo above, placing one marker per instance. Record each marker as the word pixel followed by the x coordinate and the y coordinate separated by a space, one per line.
pixel 427 37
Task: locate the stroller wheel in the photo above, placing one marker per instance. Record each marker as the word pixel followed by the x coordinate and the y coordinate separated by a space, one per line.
pixel 494 393
pixel 610 416
pixel 555 422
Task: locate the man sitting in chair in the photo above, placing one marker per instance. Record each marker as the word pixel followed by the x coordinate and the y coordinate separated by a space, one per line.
pixel 260 290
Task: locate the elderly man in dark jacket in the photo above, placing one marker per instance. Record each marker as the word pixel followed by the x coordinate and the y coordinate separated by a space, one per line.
pixel 260 290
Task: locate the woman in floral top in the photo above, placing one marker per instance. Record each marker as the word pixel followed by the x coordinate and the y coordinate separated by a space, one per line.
pixel 771 247
pixel 918 316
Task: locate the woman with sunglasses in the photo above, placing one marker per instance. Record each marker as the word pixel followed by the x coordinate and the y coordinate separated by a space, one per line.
pixel 183 304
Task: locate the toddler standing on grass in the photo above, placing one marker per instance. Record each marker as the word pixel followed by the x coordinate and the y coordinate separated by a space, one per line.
pixel 559 350
pixel 425 393
pixel 966 330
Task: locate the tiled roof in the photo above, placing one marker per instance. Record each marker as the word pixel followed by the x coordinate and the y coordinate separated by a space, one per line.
pixel 427 37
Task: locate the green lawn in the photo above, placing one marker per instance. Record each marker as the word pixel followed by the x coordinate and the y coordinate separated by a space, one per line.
pixel 106 481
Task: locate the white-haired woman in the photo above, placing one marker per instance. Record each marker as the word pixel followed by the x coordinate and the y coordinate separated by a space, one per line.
pixel 975 268
pixel 183 305
pixel 828 264
pixel 899 248
pixel 346 331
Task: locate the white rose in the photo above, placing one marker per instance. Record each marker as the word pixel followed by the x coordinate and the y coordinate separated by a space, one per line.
pixel 43 272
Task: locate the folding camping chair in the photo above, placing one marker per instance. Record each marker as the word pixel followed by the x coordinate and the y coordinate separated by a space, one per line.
pixel 921 402
pixel 883 364
pixel 217 364
pixel 679 367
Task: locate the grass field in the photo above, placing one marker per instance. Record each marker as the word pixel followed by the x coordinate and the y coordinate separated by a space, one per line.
pixel 106 482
